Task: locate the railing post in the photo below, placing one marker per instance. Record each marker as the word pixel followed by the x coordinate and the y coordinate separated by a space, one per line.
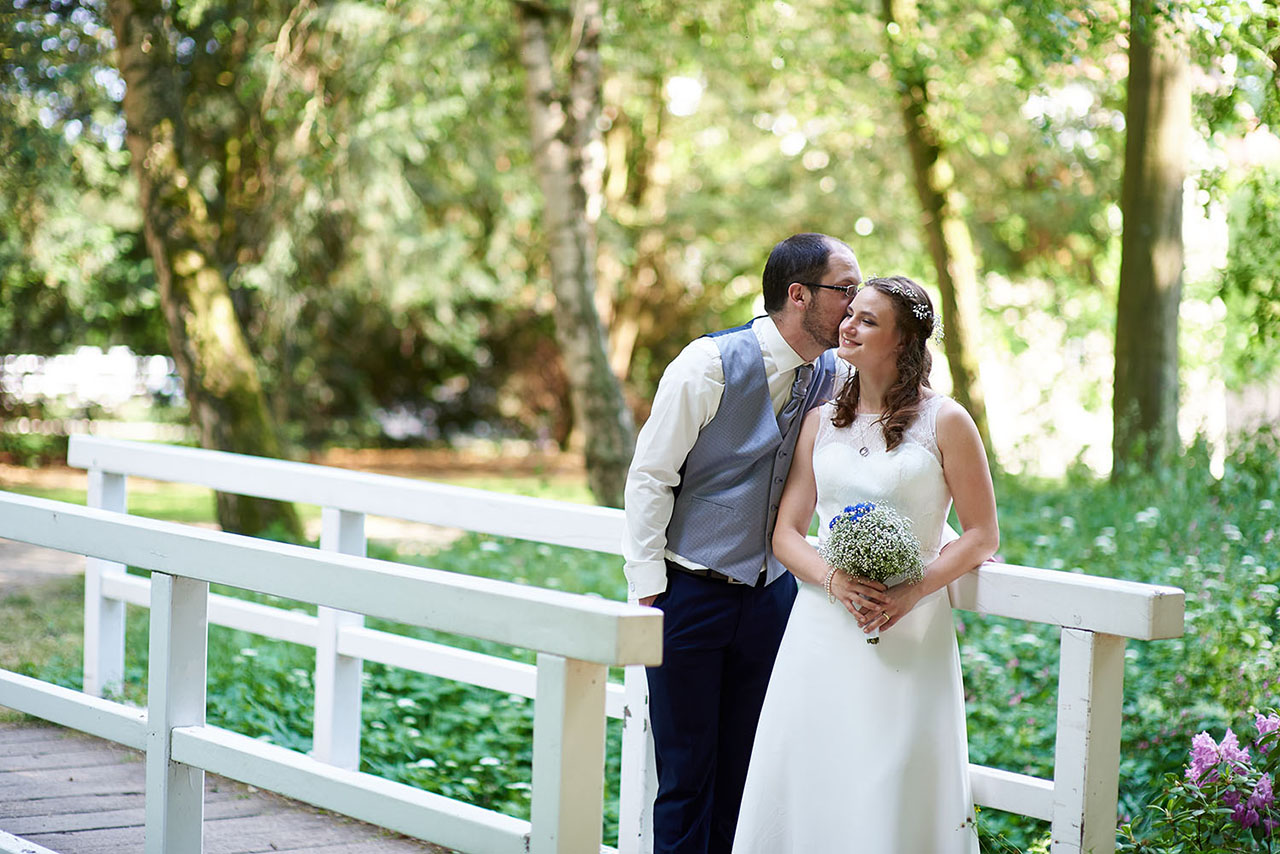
pixel 175 698
pixel 568 757
pixel 103 618
pixel 336 736
pixel 639 775
pixel 1086 766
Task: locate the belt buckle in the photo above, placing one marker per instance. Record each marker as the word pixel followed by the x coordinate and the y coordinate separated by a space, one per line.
pixel 731 580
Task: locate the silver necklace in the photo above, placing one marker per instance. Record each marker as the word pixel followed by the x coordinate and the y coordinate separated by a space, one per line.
pixel 862 434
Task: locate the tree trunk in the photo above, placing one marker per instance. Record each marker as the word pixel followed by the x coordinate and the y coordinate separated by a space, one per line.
pixel 639 179
pixel 563 126
pixel 1157 121
pixel 220 378
pixel 947 234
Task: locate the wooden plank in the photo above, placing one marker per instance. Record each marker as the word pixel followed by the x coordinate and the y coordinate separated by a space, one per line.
pixel 54 761
pixel 225 808
pixel 10 844
pixel 1010 791
pixel 95 802
pixel 104 618
pixel 537 519
pixel 292 626
pixel 116 840
pixel 568 757
pixel 177 675
pixel 1086 761
pixel 393 805
pixel 1072 600
pixel 70 782
pixel 338 682
pixel 114 721
pixel 46 740
pixel 575 626
pixel 106 811
pixel 389 845
pixel 69 805
pixel 17 732
pixel 638 783
pixel 280 830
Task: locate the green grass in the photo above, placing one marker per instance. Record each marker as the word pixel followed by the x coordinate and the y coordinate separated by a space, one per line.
pixel 41 631
pixel 173 502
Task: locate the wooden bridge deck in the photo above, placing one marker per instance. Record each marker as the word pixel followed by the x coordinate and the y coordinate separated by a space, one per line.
pixel 76 794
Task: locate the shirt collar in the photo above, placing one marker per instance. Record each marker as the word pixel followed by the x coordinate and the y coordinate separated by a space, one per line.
pixel 784 358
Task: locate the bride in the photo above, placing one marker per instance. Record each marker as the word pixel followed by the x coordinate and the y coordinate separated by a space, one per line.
pixel 862 747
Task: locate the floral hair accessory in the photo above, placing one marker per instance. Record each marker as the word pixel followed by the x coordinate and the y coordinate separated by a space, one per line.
pixel 922 311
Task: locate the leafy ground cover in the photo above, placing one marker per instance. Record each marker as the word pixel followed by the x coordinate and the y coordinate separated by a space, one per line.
pixel 1217 538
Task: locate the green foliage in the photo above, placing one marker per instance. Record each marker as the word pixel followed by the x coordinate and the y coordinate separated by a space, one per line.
pixel 1216 539
pixel 72 266
pixel 1250 285
pixel 32 449
pixel 1223 804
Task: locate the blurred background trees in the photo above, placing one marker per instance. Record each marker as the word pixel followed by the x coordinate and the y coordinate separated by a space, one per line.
pixel 367 187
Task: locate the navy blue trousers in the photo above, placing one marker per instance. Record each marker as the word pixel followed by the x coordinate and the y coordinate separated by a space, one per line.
pixel 719 643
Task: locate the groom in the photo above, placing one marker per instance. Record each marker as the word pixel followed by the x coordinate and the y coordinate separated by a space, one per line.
pixel 701 500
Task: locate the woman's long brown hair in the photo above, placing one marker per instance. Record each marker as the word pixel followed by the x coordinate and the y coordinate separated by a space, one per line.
pixel 913 312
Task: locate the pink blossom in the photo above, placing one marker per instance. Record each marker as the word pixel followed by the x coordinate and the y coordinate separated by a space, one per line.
pixel 1231 750
pixel 1204 756
pixel 1262 796
pixel 1270 723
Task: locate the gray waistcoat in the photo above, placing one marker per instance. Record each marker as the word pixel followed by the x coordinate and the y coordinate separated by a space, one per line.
pixel 727 500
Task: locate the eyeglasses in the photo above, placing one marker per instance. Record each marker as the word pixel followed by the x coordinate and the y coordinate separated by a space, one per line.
pixel 850 291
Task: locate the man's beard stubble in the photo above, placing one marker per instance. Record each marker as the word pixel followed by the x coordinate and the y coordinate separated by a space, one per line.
pixel 811 324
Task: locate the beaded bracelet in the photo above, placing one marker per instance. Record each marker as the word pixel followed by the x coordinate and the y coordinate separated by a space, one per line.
pixel 826 585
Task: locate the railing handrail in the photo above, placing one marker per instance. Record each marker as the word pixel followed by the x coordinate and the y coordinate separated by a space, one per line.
pixel 572 625
pixel 1096 615
pixel 542 520
pixel 577 637
pixel 1088 602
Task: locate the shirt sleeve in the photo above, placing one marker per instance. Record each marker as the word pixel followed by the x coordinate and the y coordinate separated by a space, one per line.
pixel 687 398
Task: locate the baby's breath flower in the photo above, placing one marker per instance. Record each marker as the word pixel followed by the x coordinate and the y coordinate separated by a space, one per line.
pixel 873 541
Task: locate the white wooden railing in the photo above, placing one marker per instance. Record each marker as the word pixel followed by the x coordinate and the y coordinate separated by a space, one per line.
pixel 1097 615
pixel 577 639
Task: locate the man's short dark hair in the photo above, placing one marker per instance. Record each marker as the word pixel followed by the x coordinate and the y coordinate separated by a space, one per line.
pixel 799 258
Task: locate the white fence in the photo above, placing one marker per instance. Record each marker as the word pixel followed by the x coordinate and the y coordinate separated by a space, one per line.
pixel 1097 615
pixel 577 638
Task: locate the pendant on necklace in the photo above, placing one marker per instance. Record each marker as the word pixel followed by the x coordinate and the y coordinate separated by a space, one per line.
pixel 864 450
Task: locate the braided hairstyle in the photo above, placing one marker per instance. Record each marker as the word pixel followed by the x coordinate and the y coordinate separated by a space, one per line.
pixel 913 313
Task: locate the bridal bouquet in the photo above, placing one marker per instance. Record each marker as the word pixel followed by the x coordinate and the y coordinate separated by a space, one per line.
pixel 876 542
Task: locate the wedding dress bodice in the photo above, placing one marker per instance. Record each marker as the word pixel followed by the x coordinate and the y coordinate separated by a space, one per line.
pixel 908 478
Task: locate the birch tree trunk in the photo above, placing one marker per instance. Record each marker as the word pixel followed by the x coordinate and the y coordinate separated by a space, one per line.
pixel 562 122
pixel 1157 121
pixel 220 377
pixel 947 234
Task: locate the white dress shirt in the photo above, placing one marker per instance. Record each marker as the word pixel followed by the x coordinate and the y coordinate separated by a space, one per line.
pixel 687 398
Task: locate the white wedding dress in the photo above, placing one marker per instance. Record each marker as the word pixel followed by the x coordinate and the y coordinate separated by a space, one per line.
pixel 862 747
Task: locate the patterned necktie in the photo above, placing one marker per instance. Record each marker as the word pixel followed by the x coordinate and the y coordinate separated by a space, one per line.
pixel 799 390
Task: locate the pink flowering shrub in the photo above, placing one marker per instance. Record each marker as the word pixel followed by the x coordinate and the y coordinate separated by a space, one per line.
pixel 1224 802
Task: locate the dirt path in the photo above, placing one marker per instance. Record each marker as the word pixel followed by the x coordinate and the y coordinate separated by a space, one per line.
pixel 24 566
